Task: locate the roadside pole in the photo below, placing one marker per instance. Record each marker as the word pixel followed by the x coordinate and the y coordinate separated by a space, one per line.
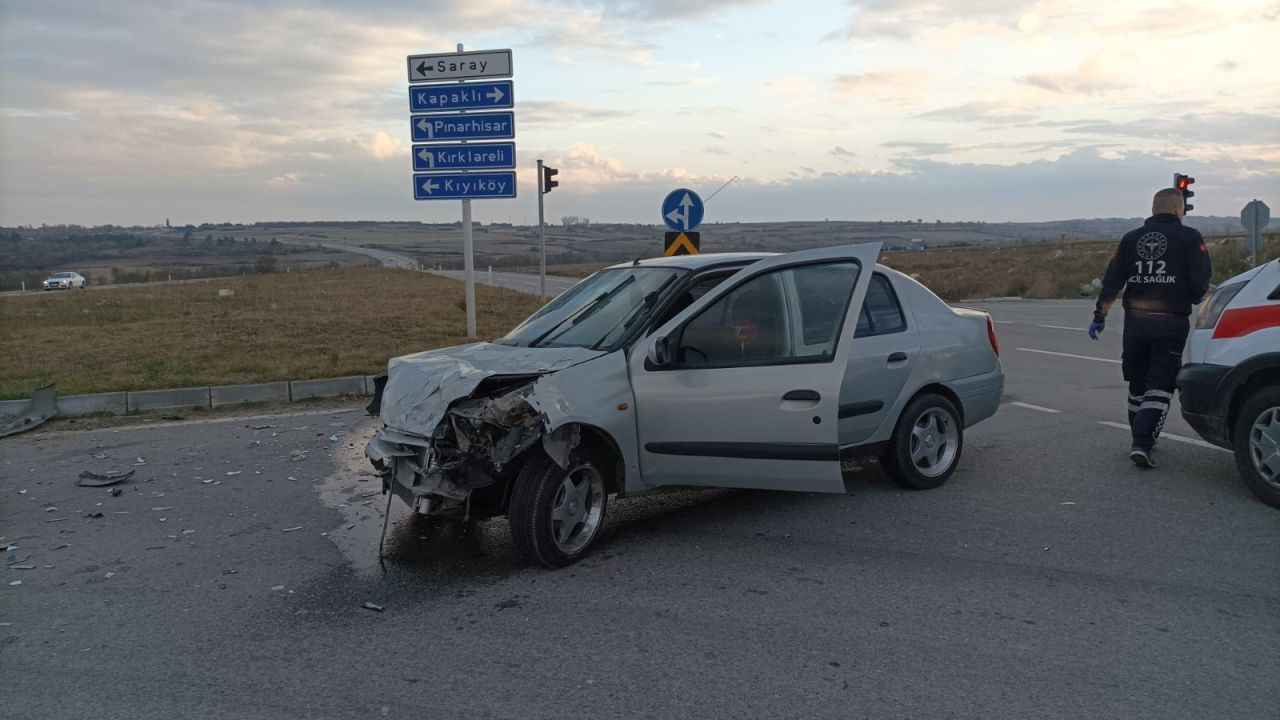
pixel 542 241
pixel 468 261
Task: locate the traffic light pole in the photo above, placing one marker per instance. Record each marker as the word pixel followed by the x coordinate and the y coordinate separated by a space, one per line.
pixel 542 241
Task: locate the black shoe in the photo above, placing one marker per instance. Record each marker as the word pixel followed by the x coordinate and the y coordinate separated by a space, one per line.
pixel 1142 458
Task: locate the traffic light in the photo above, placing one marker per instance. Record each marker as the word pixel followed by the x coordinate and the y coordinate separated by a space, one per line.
pixel 1183 183
pixel 547 182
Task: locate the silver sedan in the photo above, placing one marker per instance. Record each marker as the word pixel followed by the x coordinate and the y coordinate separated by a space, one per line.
pixel 744 370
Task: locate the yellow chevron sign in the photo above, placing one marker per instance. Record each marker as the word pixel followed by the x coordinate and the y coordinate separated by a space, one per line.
pixel 682 243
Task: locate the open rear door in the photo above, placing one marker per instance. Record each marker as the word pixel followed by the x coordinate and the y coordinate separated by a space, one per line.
pixel 748 390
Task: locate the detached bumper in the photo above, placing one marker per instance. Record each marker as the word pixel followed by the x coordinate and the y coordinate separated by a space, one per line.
pixel 1204 398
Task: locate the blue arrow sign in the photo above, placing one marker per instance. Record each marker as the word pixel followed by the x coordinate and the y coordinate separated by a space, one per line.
pixel 474 156
pixel 462 186
pixel 464 96
pixel 472 126
pixel 682 210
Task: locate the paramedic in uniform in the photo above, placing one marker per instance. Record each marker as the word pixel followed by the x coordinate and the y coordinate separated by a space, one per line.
pixel 1163 268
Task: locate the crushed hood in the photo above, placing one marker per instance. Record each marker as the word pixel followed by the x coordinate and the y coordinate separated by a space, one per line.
pixel 420 387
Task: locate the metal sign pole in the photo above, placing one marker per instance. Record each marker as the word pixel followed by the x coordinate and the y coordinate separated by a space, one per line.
pixel 468 263
pixel 542 242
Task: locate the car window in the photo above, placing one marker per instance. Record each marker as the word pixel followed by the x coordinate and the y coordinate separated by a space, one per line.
pixel 700 287
pixel 881 312
pixel 753 323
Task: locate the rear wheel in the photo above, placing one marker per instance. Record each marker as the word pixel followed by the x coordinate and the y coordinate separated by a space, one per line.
pixel 556 513
pixel 1257 444
pixel 925 447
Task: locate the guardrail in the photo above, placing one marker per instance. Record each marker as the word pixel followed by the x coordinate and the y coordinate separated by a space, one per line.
pixel 205 397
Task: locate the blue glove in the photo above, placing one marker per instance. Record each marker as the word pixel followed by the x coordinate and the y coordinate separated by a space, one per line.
pixel 1095 328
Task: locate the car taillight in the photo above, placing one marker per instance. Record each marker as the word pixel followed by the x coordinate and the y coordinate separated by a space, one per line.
pixel 991 336
pixel 1211 309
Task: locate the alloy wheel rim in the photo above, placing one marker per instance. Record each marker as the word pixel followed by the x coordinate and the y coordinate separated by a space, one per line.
pixel 577 509
pixel 1264 445
pixel 935 440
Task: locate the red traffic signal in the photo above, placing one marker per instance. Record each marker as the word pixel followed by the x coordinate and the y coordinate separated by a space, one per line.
pixel 547 182
pixel 1183 183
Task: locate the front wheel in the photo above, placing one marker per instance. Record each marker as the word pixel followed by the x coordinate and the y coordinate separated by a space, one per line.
pixel 925 446
pixel 557 512
pixel 1257 445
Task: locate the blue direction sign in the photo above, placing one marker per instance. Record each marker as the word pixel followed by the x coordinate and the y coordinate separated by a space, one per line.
pixel 464 186
pixel 682 210
pixel 465 96
pixel 455 156
pixel 472 126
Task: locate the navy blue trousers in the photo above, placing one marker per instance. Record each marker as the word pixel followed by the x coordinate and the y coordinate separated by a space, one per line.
pixel 1152 356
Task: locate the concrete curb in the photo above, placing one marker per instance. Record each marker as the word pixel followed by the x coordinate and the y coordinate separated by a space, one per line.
pixel 119 403
pixel 164 399
pixel 326 387
pixel 220 395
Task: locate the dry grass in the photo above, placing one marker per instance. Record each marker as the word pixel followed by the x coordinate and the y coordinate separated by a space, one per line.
pixel 293 326
pixel 1041 271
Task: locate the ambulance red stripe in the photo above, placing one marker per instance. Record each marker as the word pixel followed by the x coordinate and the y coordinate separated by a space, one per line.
pixel 1238 322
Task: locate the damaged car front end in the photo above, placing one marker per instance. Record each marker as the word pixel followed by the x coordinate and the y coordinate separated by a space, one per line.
pixel 465 428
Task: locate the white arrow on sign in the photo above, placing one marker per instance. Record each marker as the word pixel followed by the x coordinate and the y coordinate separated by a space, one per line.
pixel 429 185
pixel 428 158
pixel 495 95
pixel 425 127
pixel 682 217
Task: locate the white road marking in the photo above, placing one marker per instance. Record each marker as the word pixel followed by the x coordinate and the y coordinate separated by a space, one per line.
pixel 1063 327
pixel 1078 357
pixel 1005 322
pixel 1038 408
pixel 1170 436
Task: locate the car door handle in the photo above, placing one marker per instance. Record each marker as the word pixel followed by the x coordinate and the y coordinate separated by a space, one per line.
pixel 807 395
pixel 898 357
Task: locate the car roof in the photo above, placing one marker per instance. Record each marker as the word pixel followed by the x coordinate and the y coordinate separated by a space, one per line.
pixel 696 262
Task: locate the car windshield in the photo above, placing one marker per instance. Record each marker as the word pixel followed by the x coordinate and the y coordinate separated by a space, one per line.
pixel 597 312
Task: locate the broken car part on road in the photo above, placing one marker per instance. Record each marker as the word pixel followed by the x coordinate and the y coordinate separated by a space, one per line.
pixel 89 478
pixel 40 410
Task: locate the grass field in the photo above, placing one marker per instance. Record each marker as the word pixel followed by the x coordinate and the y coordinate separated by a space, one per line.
pixel 319 323
pixel 1029 271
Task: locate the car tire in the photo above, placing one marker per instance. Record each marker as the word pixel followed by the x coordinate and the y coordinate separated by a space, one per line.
pixel 1260 414
pixel 556 513
pixel 926 443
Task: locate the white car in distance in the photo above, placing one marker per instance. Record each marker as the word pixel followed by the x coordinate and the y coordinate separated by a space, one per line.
pixel 65 281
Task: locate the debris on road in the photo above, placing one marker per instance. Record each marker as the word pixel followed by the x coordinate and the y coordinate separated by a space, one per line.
pixel 277 588
pixel 291 529
pixel 111 477
pixel 40 410
pixel 234 472
pixel 374 607
pixel 15 583
pixel 115 492
pixel 22 567
pixel 93 515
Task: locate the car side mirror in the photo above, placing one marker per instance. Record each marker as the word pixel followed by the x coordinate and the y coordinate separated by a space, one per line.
pixel 659 353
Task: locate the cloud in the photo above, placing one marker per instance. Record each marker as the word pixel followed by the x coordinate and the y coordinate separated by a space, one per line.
pixel 982 112
pixel 1222 128
pixel 561 112
pixel 1095 75
pixel 1228 65
pixel 789 85
pixel 842 153
pixel 717 135
pixel 887 81
pixel 714 150
pixel 919 148
pixel 905 19
pixel 665 10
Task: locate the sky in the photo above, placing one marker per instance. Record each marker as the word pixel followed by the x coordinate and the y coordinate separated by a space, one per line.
pixel 1023 110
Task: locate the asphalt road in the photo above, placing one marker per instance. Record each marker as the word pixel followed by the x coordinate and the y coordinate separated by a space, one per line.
pixel 1047 579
